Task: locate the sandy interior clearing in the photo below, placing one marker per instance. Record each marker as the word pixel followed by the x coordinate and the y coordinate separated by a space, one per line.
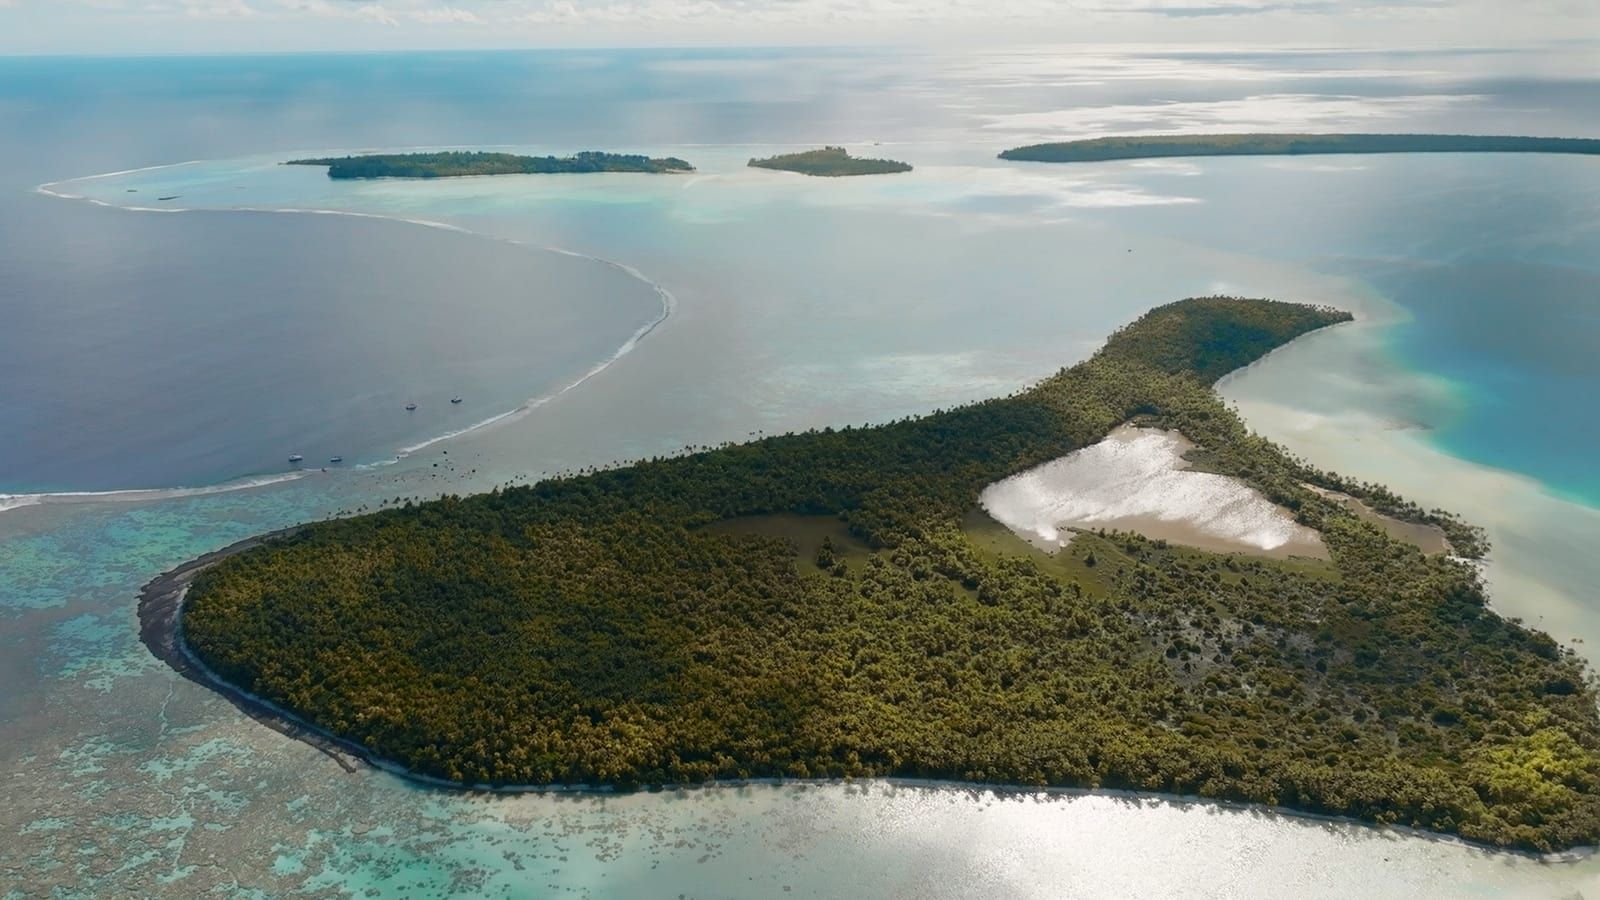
pixel 1137 480
pixel 1427 538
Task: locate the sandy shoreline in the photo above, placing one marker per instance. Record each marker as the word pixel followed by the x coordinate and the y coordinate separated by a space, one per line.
pixel 161 631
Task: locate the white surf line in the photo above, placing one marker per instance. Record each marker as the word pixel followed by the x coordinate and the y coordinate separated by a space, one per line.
pixel 130 495
pixel 669 305
pixel 49 186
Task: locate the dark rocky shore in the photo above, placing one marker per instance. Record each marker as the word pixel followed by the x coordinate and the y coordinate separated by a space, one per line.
pixel 161 630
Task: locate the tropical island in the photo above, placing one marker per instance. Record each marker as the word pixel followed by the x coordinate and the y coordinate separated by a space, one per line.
pixel 830 162
pixel 1168 145
pixel 836 604
pixel 457 163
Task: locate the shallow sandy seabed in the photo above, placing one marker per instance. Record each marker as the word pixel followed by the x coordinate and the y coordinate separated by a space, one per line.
pixel 1328 396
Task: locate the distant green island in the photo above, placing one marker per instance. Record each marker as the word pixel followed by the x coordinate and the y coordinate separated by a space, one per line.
pixel 1159 146
pixel 459 163
pixel 830 162
pixel 835 604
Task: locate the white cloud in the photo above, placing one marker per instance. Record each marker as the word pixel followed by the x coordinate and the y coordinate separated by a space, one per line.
pixel 392 12
pixel 287 23
pixel 782 12
pixel 208 9
pixel 446 14
pixel 835 13
pixel 376 13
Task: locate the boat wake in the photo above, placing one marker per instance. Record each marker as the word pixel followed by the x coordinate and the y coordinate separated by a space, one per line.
pixel 668 306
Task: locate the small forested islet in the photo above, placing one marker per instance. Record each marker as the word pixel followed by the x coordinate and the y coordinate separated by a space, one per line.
pixel 1157 146
pixel 459 163
pixel 830 162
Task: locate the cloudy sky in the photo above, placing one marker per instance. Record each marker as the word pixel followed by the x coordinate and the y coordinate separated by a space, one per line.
pixel 202 26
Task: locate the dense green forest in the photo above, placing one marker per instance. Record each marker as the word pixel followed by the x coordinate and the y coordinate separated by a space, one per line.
pixel 632 627
pixel 456 163
pixel 1153 146
pixel 830 162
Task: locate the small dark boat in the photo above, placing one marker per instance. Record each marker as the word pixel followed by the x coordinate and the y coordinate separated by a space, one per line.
pixel 336 459
pixel 295 457
pixel 455 399
pixel 410 407
pixel 173 197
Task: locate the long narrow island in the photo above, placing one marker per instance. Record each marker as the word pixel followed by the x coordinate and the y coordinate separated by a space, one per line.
pixel 1104 149
pixel 830 162
pixel 837 604
pixel 453 164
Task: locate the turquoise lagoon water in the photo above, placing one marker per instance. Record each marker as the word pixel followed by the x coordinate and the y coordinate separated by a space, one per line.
pixel 799 303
